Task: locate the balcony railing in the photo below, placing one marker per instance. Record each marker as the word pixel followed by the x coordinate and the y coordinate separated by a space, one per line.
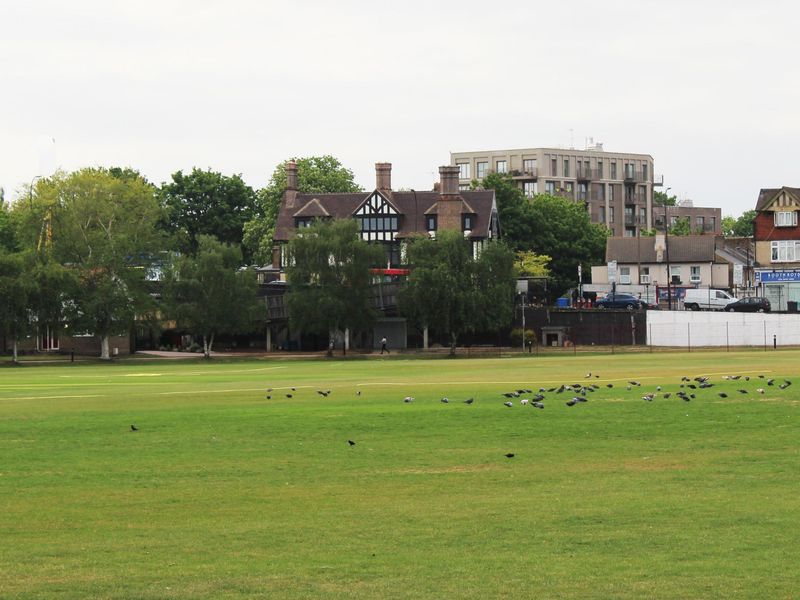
pixel 584 174
pixel 633 176
pixel 531 173
pixel 635 198
pixel 631 220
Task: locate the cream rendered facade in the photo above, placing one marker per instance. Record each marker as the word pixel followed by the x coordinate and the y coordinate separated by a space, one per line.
pixel 714 275
pixel 616 187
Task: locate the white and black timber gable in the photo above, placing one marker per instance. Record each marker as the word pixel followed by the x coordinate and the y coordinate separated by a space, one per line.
pixel 378 218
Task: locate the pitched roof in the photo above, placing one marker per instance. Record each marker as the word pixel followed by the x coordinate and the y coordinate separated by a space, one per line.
pixel 412 205
pixel 682 249
pixel 767 195
pixel 312 208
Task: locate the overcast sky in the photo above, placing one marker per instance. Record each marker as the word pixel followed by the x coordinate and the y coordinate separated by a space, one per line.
pixel 710 89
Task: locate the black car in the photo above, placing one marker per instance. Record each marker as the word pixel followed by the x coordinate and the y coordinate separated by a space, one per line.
pixel 628 301
pixel 749 305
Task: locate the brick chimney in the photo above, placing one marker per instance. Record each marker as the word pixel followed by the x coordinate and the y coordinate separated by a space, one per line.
pixel 290 193
pixel 291 175
pixel 448 208
pixel 449 180
pixel 383 176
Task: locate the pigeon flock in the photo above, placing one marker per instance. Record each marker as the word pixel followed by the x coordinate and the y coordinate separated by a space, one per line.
pixel 579 393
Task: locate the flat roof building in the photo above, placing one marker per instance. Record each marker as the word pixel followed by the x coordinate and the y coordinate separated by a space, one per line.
pixel 617 187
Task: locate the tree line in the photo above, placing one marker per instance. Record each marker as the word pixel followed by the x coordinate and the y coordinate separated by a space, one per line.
pixel 83 250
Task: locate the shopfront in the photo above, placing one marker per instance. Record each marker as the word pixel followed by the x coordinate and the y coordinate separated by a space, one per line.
pixel 780 287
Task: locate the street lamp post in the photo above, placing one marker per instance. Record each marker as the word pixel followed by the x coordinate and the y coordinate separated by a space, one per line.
pixel 30 190
pixel 522 303
pixel 666 249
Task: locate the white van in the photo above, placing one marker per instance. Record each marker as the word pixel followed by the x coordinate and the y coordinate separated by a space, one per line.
pixel 707 299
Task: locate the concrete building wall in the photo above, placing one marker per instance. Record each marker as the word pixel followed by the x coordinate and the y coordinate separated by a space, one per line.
pixel 598 179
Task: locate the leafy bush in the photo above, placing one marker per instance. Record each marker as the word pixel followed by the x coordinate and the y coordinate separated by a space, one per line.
pixel 516 336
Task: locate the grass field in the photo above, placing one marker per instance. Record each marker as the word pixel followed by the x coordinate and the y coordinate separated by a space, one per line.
pixel 225 494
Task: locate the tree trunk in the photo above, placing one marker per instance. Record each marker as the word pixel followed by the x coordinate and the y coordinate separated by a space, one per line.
pixel 14 351
pixel 452 344
pixel 104 354
pixel 207 343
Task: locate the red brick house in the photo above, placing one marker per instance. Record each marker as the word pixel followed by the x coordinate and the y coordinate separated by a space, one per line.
pixel 776 234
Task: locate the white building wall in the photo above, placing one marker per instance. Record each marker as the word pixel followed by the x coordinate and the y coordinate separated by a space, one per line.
pixel 695 329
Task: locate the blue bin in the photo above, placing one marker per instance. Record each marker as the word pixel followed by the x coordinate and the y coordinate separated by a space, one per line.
pixel 562 302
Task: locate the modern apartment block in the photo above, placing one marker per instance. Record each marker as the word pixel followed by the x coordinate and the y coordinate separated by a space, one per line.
pixel 702 219
pixel 616 187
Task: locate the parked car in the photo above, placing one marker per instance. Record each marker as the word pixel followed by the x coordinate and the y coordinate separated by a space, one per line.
pixel 707 299
pixel 628 301
pixel 749 305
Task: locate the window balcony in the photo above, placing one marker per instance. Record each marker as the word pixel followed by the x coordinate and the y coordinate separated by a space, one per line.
pixel 531 173
pixel 585 174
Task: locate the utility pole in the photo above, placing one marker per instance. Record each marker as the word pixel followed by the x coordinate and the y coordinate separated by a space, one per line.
pixel 666 248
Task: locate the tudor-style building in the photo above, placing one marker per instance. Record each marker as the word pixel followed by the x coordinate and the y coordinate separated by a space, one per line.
pixel 390 217
pixel 776 233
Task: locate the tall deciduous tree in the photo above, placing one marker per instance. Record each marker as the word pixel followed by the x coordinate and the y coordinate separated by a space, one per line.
pixel 103 229
pixel 16 290
pixel 315 174
pixel 209 294
pixel 515 226
pixel 663 199
pixel 452 293
pixel 329 278
pixel 207 203
pixel 562 229
pixel 741 226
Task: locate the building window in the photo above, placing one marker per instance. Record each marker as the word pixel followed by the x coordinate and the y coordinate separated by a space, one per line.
pixel 700 224
pixel 602 214
pixel 712 223
pixel 610 214
pixel 630 232
pixel 482 169
pixel 610 193
pixel 644 172
pixel 569 186
pixel 785 251
pixel 553 167
pixel 625 274
pixel 675 274
pixel 301 222
pixel 529 187
pixel 529 166
pixel 673 220
pixel 463 170
pixel 613 169
pixel 644 275
pixel 566 167
pixel 599 192
pixel 501 166
pixel 583 191
pixel 695 274
pixel 629 170
pixel 463 187
pixel 550 187
pixel 599 169
pixel 430 222
pixel 785 219
pixel 467 222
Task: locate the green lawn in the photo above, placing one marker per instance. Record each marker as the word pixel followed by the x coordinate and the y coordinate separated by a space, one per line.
pixel 225 494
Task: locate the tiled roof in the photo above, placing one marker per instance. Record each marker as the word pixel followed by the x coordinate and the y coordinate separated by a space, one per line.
pixel 412 205
pixel 682 249
pixel 767 195
pixel 312 208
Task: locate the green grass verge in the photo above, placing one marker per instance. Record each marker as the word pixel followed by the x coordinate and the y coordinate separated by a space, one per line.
pixel 224 494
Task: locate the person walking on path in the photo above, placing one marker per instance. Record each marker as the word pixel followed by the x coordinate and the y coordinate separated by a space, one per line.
pixel 383 346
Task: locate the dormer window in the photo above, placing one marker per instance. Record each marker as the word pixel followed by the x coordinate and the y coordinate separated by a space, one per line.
pixel 785 219
pixel 301 222
pixel 430 222
pixel 467 222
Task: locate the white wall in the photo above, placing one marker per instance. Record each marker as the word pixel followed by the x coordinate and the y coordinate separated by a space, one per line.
pixel 690 328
